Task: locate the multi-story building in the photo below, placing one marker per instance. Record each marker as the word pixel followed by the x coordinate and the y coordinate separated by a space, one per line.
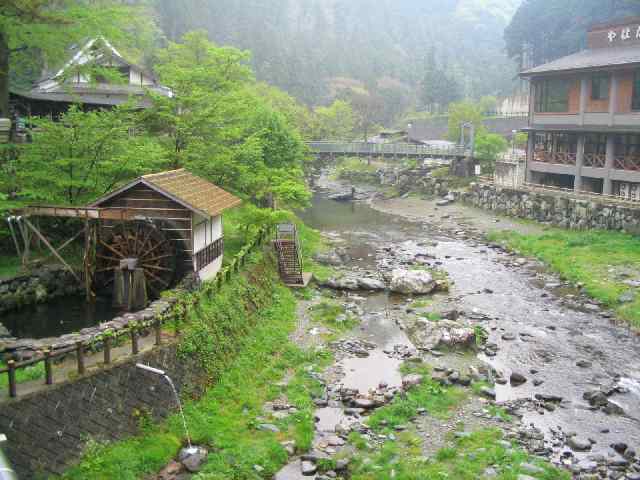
pixel 584 115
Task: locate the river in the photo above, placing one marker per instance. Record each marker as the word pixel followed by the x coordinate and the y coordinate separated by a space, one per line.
pixel 539 333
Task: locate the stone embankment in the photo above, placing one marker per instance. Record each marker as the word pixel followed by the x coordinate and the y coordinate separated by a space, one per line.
pixel 39 286
pixel 562 210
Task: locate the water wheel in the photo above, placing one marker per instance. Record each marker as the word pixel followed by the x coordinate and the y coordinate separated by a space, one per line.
pixel 142 241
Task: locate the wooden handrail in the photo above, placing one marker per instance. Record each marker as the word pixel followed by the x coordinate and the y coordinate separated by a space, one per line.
pixel 80 348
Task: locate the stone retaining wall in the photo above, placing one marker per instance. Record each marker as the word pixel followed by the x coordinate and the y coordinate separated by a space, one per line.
pixel 47 430
pixel 562 210
pixel 40 286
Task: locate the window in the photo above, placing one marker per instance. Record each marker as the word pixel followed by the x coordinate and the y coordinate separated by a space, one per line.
pixel 600 86
pixel 635 102
pixel 595 143
pixel 552 96
pixel 628 145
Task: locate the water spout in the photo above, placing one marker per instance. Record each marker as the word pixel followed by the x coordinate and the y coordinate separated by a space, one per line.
pixel 162 373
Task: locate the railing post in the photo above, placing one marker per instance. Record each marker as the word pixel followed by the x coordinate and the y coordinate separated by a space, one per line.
pixel 80 357
pixel 107 350
pixel 48 371
pixel 11 365
pixel 134 341
pixel 158 329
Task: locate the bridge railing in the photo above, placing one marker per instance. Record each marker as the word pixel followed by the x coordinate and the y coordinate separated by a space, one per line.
pixel 395 149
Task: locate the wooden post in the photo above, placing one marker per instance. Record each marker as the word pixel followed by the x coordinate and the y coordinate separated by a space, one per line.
pixel 134 341
pixel 80 355
pixel 11 364
pixel 48 370
pixel 50 247
pixel 107 350
pixel 158 329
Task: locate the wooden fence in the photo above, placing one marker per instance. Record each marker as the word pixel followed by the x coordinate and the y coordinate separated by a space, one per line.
pixel 131 333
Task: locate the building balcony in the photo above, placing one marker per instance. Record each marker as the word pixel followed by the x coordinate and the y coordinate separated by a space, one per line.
pixel 595 160
pixel 590 120
pixel 558 158
pixel 627 162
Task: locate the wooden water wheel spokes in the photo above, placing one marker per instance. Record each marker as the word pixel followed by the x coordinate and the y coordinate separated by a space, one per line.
pixel 144 242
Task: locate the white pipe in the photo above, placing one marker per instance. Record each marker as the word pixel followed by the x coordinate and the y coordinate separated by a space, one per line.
pixel 157 371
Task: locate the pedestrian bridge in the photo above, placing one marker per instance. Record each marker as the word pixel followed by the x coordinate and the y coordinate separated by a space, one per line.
pixel 389 150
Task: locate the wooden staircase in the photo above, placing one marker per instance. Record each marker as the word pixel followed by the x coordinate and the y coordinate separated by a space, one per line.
pixel 289 256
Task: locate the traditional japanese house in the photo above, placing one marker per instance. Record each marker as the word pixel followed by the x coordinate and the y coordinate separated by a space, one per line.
pixel 584 120
pixel 73 83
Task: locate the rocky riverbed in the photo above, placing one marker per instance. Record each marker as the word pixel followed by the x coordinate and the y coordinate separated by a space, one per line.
pixel 554 359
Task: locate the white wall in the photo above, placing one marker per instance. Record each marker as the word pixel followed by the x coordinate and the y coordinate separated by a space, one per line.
pixel 205 232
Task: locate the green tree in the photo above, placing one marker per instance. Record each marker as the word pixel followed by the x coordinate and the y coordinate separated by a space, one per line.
pixel 489 146
pixel 38 32
pixel 84 155
pixel 335 122
pixel 488 103
pixel 222 125
pixel 464 112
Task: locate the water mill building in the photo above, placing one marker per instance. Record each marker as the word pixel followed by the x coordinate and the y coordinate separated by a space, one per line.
pixel 584 115
pixel 161 226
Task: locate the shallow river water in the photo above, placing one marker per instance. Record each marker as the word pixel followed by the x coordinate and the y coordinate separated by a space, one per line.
pixel 549 336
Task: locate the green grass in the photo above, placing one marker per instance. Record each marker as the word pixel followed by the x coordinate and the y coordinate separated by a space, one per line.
pixel 246 352
pixel 432 316
pixel 421 304
pixel 439 402
pixel 591 258
pixel 354 168
pixel 467 459
pixel 333 315
pixel 10 265
pixel 34 372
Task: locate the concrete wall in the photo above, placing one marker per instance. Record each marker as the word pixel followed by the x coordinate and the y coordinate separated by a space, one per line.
pixel 47 430
pixel 509 174
pixel 563 210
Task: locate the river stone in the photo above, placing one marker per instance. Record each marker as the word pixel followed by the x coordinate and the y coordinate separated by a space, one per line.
pixel 330 258
pixel 371 284
pixel 596 398
pixel 445 334
pixel 4 332
pixel 365 403
pixel 308 468
pixel 579 444
pixel 412 380
pixel 268 427
pixel 516 379
pixel 488 392
pixel 412 282
pixel 193 458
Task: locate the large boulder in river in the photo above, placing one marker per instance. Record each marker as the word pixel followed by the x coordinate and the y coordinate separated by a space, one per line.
pixel 444 334
pixel 366 283
pixel 412 282
pixel 352 283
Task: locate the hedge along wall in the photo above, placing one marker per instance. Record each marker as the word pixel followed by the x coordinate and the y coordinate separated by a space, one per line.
pixel 47 431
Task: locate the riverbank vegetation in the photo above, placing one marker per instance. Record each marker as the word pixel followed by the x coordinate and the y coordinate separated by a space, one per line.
pixel 470 456
pixel 606 264
pixel 240 338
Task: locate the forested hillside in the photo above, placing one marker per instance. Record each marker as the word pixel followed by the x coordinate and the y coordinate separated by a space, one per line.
pixel 316 48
